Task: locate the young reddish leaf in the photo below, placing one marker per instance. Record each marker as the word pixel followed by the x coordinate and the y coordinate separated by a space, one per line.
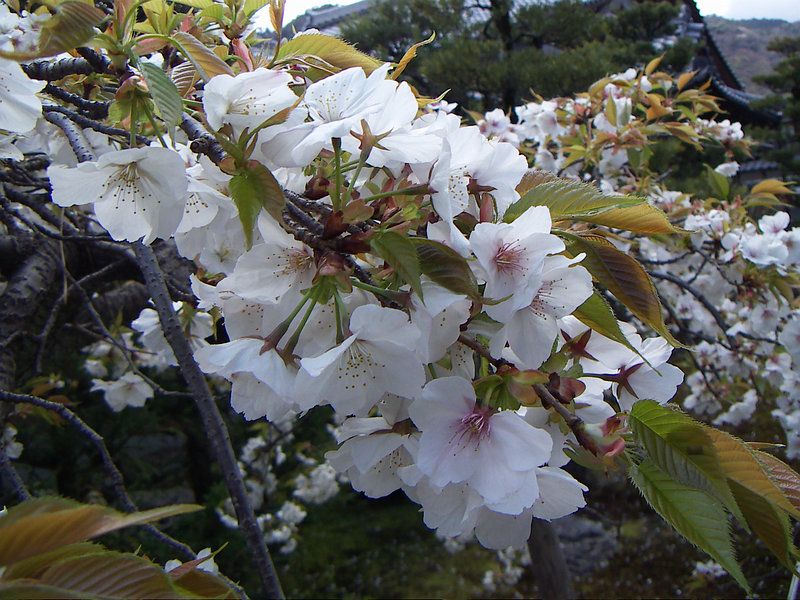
pixel 32 567
pixel 565 199
pixel 771 186
pixel 399 252
pixel 184 76
pixel 685 78
pixel 740 465
pixel 640 218
pixel 653 65
pixel 30 590
pixel 45 524
pixel 331 50
pixel 409 56
pixel 71 26
pixel 532 178
pixel 200 584
pixel 111 575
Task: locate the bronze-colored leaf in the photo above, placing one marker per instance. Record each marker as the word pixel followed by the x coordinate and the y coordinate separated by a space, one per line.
pixel 621 275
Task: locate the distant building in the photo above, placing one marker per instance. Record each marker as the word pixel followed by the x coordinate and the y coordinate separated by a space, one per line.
pixel 326 18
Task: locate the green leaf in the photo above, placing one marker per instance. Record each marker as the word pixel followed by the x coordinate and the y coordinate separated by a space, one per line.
pixel 215 12
pixel 44 524
pixel 770 524
pixel 640 218
pixel 447 268
pixel 332 50
pixel 119 110
pixel 596 314
pixel 252 188
pixel 399 252
pixel 693 513
pixel 204 60
pixel 719 183
pixel 196 3
pixel 681 447
pixel 566 199
pixel 169 103
pixel 621 275
pixel 739 464
pixel 251 6
pixel 71 26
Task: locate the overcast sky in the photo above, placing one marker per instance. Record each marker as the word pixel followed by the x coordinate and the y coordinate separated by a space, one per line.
pixel 730 9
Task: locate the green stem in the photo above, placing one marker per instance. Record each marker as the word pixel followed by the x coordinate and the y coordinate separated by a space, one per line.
pixel 133 125
pixel 337 173
pixel 414 190
pixel 341 311
pixel 349 192
pixel 275 336
pixel 152 120
pixel 288 351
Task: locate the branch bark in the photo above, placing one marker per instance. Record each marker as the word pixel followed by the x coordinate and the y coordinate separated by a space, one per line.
pixel 547 562
pixel 212 420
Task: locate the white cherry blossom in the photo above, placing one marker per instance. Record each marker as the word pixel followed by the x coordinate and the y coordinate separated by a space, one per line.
pixel 377 358
pixel 463 442
pixel 248 99
pixel 137 194
pixel 20 108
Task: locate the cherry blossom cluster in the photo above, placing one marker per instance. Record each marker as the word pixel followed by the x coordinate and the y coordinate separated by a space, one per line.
pixel 318 314
pixel 723 281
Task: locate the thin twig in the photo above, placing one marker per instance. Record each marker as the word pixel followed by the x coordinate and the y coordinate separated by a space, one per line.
pixel 9 474
pixel 213 423
pixel 114 475
pixel 700 298
pixel 62 300
pixel 126 352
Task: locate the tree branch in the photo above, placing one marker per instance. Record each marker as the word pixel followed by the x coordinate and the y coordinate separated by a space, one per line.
pixel 77 141
pixel 9 474
pixel 114 475
pixel 54 70
pixel 202 141
pixel 92 108
pixel 212 421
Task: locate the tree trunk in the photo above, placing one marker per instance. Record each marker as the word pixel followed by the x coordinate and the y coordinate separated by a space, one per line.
pixel 547 562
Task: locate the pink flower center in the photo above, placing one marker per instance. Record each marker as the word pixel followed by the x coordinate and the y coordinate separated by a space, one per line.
pixel 508 258
pixel 475 426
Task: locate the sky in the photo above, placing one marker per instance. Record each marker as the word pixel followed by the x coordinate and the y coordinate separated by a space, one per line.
pixel 730 9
